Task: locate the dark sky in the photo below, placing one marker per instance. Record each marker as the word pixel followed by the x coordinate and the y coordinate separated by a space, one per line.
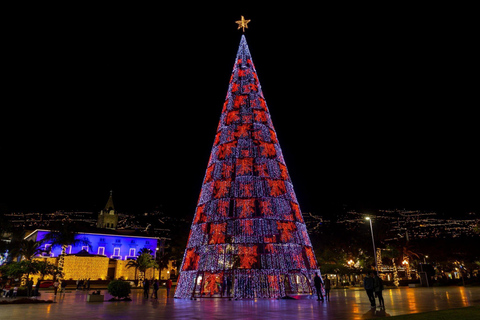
pixel 373 107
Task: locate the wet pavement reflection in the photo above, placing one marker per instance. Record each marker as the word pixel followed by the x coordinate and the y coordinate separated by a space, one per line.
pixel 344 304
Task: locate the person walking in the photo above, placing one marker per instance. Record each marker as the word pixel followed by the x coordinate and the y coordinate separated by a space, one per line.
pixel 169 286
pixel 327 285
pixel 55 287
pixel 369 285
pixel 378 288
pixel 318 286
pixel 63 287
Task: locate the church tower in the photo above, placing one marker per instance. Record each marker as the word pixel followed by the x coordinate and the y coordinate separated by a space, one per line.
pixel 108 218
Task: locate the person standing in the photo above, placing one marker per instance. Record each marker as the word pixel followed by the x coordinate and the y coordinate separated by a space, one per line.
pixel 15 290
pixel 369 285
pixel 169 286
pixel 146 288
pixel 37 287
pixel 327 285
pixel 318 286
pixel 29 287
pixel 229 286
pixel 378 288
pixel 155 289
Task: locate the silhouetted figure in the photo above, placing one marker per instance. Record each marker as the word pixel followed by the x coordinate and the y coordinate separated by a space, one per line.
pixel 318 286
pixel 327 285
pixel 169 286
pixel 155 289
pixel 369 285
pixel 37 287
pixel 146 288
pixel 229 286
pixel 378 288
pixel 29 287
pixel 63 287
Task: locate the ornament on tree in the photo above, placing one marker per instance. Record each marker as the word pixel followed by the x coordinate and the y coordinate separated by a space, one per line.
pixel 248 235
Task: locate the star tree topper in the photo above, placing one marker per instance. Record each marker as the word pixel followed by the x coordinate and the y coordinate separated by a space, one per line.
pixel 242 23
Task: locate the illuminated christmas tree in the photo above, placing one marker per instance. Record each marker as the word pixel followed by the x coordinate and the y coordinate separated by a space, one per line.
pixel 248 233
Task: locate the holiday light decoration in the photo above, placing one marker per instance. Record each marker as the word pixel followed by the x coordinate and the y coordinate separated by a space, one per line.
pixel 77 267
pixel 248 238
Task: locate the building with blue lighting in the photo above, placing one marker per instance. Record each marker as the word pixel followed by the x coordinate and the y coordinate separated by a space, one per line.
pixel 113 246
pixel 104 240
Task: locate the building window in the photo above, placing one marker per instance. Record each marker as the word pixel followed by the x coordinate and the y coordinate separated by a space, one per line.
pixel 131 253
pixel 101 251
pixel 85 248
pixel 116 252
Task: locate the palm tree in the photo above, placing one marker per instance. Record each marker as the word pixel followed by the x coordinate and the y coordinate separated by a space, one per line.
pixel 144 262
pixel 64 235
pixel 163 261
pixel 133 264
pixel 29 249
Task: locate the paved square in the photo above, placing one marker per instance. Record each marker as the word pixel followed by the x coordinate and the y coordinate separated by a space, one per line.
pixel 344 304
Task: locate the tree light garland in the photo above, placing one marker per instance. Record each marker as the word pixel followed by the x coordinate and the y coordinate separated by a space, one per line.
pixel 248 238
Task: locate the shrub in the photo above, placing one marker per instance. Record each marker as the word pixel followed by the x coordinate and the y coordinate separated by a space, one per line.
pixel 118 288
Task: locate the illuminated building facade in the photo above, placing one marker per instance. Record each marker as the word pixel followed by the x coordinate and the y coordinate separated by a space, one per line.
pixel 113 246
pixel 102 255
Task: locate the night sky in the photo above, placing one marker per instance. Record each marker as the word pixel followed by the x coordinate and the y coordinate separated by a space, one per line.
pixel 373 108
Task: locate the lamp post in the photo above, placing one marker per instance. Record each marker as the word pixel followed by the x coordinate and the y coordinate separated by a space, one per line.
pixel 373 242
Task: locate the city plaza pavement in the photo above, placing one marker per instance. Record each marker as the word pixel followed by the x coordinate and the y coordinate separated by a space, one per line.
pixel 344 304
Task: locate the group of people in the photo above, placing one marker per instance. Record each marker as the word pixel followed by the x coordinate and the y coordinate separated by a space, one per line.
pixel 373 285
pixel 155 286
pixel 83 284
pixel 317 281
pixel 11 291
pixel 7 291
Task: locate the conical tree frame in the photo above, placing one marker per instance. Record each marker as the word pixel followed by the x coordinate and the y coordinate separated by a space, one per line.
pixel 248 238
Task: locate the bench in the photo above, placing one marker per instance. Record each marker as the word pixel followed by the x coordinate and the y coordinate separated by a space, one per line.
pixel 95 298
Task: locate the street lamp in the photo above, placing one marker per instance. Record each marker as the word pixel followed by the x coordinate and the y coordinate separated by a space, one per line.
pixel 373 242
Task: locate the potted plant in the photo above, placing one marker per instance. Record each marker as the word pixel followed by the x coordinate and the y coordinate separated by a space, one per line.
pixel 120 290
